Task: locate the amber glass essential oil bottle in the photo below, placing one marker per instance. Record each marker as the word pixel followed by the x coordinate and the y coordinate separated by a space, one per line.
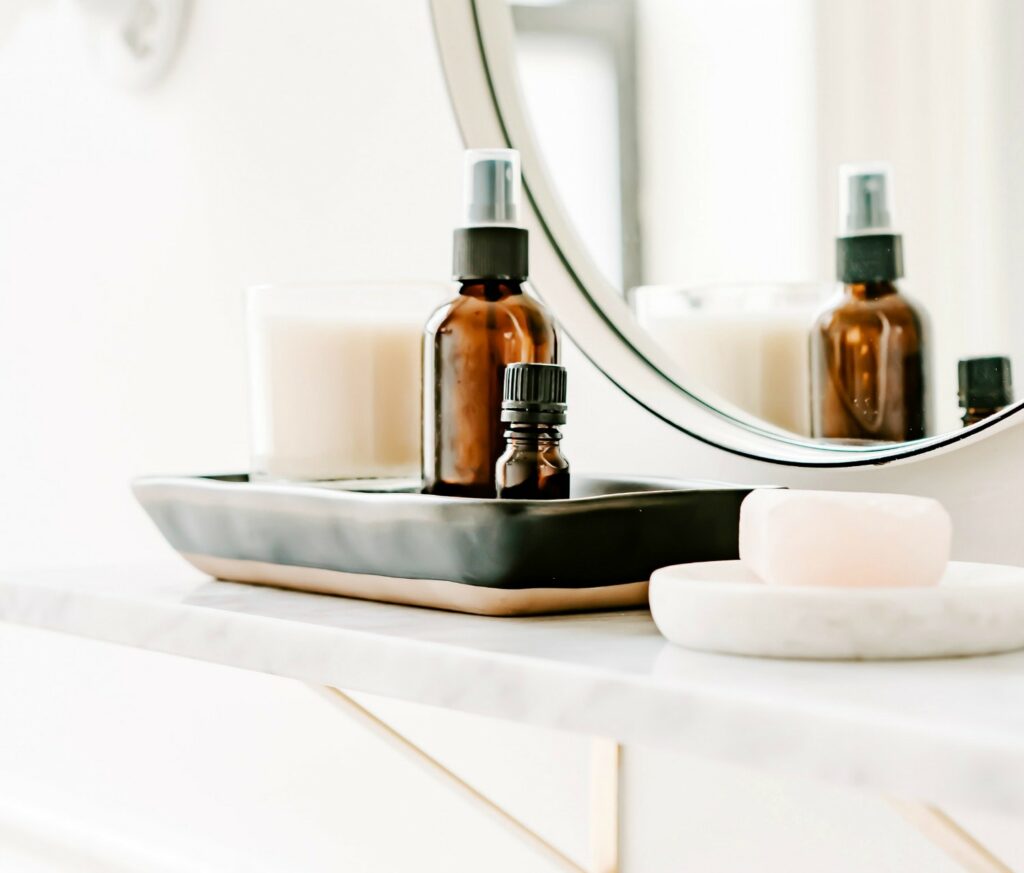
pixel 533 466
pixel 985 387
pixel 469 341
pixel 869 347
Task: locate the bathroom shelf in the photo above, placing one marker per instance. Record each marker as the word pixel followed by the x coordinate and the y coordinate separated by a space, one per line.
pixel 948 731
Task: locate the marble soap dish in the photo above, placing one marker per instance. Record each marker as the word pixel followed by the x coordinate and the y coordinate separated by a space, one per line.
pixel 720 606
pixel 381 540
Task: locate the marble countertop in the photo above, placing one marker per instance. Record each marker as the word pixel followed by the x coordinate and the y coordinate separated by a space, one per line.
pixel 949 731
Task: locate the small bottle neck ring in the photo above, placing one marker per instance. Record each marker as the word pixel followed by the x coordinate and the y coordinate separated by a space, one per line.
pixel 521 433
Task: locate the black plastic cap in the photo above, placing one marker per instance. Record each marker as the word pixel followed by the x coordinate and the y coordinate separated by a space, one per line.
pixel 534 394
pixel 875 257
pixel 985 383
pixel 490 252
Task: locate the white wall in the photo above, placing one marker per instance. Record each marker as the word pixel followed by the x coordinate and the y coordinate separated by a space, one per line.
pixel 290 142
pixel 131 222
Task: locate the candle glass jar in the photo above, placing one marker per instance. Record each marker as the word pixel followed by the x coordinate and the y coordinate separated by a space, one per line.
pixel 335 376
pixel 745 344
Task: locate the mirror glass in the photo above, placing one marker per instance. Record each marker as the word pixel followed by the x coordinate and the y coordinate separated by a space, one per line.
pixel 815 207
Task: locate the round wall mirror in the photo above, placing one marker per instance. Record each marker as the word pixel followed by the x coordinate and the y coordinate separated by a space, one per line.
pixel 790 228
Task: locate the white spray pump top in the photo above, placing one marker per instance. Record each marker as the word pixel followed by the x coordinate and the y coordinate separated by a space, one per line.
pixel 492 188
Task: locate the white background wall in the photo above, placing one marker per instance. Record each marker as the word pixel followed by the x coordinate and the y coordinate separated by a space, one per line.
pixel 290 142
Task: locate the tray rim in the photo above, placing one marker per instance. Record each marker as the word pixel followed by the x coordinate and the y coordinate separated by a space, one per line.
pixel 222 482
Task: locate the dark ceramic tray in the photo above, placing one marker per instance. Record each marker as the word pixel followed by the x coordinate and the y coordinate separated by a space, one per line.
pixel 383 540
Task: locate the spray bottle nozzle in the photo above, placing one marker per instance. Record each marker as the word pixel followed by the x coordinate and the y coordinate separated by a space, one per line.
pixel 492 187
pixel 865 199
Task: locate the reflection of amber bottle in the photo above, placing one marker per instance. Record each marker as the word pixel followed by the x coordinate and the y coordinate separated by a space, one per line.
pixel 986 387
pixel 869 347
pixel 469 341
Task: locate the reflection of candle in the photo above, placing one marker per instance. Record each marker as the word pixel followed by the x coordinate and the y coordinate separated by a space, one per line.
pixel 758 361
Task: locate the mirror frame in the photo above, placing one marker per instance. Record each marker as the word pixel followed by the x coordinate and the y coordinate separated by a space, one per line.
pixel 476 40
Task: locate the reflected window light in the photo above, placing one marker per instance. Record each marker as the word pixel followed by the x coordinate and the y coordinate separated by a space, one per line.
pixel 577 69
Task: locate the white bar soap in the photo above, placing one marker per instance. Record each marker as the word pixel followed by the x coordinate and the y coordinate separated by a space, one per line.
pixel 839 538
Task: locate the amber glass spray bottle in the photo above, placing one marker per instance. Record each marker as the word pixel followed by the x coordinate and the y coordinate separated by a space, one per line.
pixel 869 353
pixel 470 340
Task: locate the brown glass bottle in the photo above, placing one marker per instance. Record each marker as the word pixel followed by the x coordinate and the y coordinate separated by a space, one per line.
pixel 533 466
pixel 869 348
pixel 869 367
pixel 985 387
pixel 467 345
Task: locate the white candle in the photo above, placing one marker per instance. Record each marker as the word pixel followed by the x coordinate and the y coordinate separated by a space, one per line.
pixel 759 362
pixel 747 345
pixel 335 391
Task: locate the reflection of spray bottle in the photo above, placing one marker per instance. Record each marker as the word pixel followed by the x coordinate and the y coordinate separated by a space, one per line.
pixel 869 372
pixel 470 340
